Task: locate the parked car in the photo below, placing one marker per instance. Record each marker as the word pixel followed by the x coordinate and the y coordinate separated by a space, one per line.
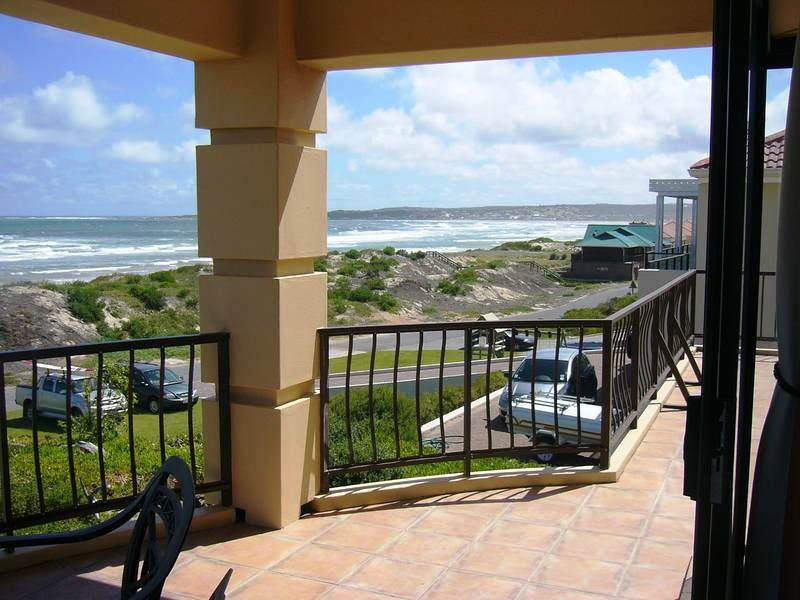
pixel 553 378
pixel 146 387
pixel 520 341
pixel 51 396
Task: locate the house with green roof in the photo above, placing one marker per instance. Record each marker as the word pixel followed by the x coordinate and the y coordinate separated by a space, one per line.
pixel 609 251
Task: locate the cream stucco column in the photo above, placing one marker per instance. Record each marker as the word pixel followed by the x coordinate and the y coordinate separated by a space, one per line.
pixel 261 192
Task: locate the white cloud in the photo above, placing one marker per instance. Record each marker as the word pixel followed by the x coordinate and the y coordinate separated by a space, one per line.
pixel 375 73
pixel 152 151
pixel 65 112
pixel 523 130
pixel 776 112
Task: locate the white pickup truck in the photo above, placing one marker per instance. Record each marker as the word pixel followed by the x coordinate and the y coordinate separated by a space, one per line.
pixel 51 396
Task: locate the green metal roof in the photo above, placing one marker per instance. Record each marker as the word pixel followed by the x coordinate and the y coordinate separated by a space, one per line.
pixel 633 235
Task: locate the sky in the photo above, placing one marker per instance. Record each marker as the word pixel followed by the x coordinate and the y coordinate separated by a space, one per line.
pixel 91 127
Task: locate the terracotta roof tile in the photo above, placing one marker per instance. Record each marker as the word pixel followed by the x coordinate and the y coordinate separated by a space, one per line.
pixel 773 153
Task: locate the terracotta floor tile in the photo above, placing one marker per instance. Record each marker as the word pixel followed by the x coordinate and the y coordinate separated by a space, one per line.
pixel 390 576
pixel 399 518
pixel 606 520
pixel 280 587
pixel 357 536
pixel 448 523
pixel 565 493
pixel 639 480
pixel 488 509
pixel 497 560
pixel 426 547
pixel 259 551
pixel 673 486
pixel 556 513
pixel 321 562
pixel 346 593
pixel 600 546
pixel 580 574
pixel 522 534
pixel 78 586
pixel 29 580
pixel 670 529
pixel 620 499
pixel 198 578
pixel 650 583
pixel 651 464
pixel 676 469
pixel 667 555
pixel 309 527
pixel 460 585
pixel 679 507
pixel 657 450
pixel 540 592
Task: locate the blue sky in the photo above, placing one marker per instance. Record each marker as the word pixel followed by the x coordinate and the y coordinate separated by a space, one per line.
pixel 89 127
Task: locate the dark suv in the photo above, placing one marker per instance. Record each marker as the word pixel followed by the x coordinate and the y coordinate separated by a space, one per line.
pixel 146 384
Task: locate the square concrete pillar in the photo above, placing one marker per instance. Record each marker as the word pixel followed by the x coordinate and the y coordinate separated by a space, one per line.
pixel 272 322
pixel 261 201
pixel 275 459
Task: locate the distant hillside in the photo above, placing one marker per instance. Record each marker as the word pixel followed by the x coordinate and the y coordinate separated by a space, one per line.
pixel 562 212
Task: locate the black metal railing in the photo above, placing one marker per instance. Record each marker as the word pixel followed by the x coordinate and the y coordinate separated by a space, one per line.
pixel 767 326
pixel 43 464
pixel 676 258
pixel 396 400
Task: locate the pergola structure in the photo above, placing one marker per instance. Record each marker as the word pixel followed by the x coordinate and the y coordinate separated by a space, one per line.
pixel 260 88
pixel 680 189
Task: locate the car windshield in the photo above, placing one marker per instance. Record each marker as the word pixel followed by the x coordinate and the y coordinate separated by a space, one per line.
pixel 169 377
pixel 545 368
pixel 82 386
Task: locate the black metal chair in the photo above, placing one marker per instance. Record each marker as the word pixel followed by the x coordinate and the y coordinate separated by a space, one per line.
pixel 150 558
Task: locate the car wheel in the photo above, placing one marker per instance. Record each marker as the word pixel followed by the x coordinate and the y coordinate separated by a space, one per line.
pixel 153 406
pixel 545 457
pixel 27 414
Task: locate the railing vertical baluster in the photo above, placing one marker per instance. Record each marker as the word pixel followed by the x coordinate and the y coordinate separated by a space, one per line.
pixel 395 407
pixel 37 466
pixel 605 425
pixel 70 450
pixel 98 400
pixel 511 388
pixel 161 435
pixel 467 402
pixel 416 394
pixel 131 440
pixel 224 397
pixel 441 388
pixel 635 349
pixel 347 418
pixel 489 346
pixel 324 462
pixel 578 381
pixel 533 384
pixel 371 398
pixel 190 414
pixel 556 380
pixel 5 463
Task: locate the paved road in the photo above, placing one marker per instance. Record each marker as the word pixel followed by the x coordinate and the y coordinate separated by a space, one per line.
pixel 433 339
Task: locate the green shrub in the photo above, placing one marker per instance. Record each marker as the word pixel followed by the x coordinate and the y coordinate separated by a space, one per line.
pixel 361 294
pixel 347 270
pixel 389 251
pixel 387 302
pixel 376 284
pixel 418 255
pixel 337 306
pixel 161 323
pixel 151 297
pixel 536 248
pixel 553 256
pixel 377 265
pixel 496 264
pixel 449 287
pixel 191 302
pixel 84 302
pixel 320 265
pixel 162 277
pixel 468 275
pixel 402 252
pixel 353 254
pixel 132 279
pixel 183 293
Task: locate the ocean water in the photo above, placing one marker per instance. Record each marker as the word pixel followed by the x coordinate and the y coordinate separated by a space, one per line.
pixel 69 248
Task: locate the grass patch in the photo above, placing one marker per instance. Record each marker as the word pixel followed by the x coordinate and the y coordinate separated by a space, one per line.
pixel 385 359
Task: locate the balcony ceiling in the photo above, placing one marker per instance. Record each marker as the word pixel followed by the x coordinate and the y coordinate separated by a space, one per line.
pixel 378 33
